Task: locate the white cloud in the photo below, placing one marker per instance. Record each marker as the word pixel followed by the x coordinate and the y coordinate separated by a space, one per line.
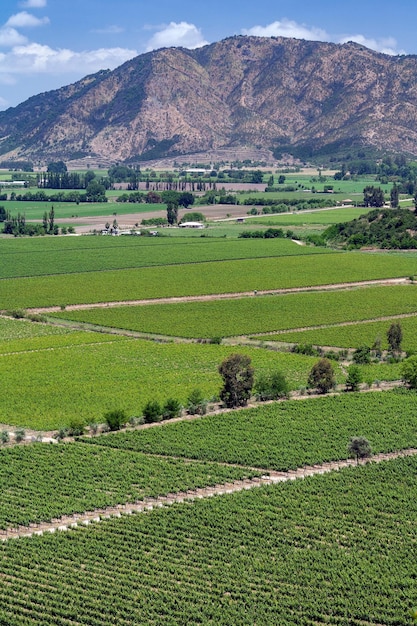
pixel 177 34
pixel 26 20
pixel 37 58
pixel 11 37
pixel 33 4
pixel 386 45
pixel 288 28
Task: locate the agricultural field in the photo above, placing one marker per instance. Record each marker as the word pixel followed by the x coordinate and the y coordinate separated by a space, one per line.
pixel 42 482
pixel 69 378
pixel 354 335
pixel 322 217
pixel 255 314
pixel 64 210
pixel 202 279
pixel 48 256
pixel 328 549
pixel 284 435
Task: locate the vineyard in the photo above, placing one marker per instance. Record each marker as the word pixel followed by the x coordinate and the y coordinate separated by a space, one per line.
pixel 43 482
pixel 202 278
pixel 286 435
pixel 329 549
pixel 353 335
pixel 68 378
pixel 255 314
pixel 95 254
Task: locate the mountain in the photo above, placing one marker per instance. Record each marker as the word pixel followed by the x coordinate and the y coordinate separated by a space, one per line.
pixel 242 91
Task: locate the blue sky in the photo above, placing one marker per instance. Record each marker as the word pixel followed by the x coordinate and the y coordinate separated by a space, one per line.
pixel 45 44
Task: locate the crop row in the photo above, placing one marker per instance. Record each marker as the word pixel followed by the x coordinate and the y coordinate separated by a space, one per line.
pixel 354 335
pixel 330 549
pixel 41 482
pixel 47 388
pixel 284 435
pixel 134 252
pixel 202 278
pixel 254 314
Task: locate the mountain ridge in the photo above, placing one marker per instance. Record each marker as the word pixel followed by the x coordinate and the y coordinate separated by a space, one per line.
pixel 242 91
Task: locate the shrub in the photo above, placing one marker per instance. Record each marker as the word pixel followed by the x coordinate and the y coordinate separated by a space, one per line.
pixel 271 387
pixel 19 436
pixel 409 372
pixel 354 377
pixel 362 355
pixel 115 419
pixel 152 412
pixel 76 427
pixel 172 408
pixel 4 436
pixel 196 403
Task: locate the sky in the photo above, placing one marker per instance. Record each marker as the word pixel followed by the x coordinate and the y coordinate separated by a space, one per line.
pixel 46 44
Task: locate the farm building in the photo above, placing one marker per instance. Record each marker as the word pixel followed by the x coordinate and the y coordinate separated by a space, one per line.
pixel 191 225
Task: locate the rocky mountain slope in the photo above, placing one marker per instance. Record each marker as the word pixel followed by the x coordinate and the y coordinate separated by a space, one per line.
pixel 266 92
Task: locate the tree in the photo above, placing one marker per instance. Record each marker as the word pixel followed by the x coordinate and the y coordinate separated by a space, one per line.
pixel 271 386
pixel 322 376
pixel 186 199
pixel 354 377
pixel 56 167
pixel 51 221
pixel 359 448
pixel 395 337
pixel 172 213
pixel 394 196
pixel 152 411
pixel 237 373
pixel 409 371
pixel 373 196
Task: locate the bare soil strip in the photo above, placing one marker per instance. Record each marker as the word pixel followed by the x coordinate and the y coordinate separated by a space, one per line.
pixel 148 504
pixel 223 296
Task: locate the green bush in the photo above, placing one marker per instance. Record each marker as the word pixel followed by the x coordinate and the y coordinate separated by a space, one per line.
pixel 76 427
pixel 152 412
pixel 115 419
pixel 172 408
pixel 19 435
pixel 271 387
pixel 196 403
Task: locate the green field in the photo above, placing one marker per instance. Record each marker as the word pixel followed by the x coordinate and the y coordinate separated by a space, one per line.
pixel 284 435
pixel 46 256
pixel 42 482
pixel 203 278
pixel 322 217
pixel 109 210
pixel 330 549
pixel 355 335
pixel 47 386
pixel 255 314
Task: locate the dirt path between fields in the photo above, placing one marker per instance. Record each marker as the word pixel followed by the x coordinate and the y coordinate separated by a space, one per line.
pixel 148 504
pixel 222 296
